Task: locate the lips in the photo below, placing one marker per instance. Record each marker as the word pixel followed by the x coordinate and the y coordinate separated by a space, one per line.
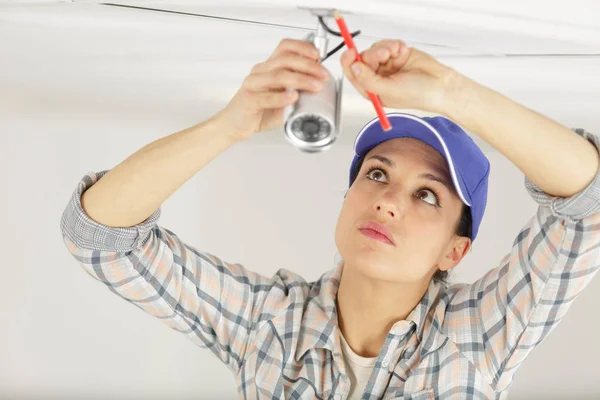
pixel 377 231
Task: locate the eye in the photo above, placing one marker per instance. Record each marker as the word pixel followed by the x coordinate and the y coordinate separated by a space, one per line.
pixel 434 196
pixel 378 173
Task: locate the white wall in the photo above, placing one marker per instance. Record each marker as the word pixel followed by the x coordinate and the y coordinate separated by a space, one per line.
pixel 63 335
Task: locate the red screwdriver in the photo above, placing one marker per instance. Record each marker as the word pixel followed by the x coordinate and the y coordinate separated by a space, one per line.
pixel 383 119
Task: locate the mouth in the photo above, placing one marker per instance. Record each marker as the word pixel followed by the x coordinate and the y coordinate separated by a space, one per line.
pixel 377 232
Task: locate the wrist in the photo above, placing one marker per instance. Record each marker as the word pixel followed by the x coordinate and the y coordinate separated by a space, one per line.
pixel 214 132
pixel 225 124
pixel 458 92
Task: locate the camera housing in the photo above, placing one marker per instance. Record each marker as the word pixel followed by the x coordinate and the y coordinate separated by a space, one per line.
pixel 312 123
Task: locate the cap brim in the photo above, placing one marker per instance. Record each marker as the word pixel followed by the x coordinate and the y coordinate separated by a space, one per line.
pixel 412 126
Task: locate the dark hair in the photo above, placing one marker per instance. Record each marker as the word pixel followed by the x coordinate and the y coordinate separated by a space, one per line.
pixel 464 227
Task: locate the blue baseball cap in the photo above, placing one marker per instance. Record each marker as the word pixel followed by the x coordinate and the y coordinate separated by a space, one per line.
pixel 468 166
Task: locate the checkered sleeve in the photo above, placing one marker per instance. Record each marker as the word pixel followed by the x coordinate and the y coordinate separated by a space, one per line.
pixel 499 319
pixel 213 303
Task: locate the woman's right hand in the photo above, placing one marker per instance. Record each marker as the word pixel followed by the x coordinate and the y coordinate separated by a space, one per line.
pixel 259 103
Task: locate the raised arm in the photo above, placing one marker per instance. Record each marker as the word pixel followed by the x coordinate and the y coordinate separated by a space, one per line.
pixel 498 320
pixel 110 225
pixel 130 192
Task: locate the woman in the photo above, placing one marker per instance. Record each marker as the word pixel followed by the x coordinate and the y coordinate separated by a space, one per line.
pixel 382 324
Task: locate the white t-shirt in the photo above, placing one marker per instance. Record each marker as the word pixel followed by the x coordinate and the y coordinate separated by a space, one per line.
pixel 359 369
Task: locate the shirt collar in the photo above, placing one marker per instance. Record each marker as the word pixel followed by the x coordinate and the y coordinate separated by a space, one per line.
pixel 319 327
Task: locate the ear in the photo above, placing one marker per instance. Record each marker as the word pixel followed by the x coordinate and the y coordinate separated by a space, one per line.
pixel 456 251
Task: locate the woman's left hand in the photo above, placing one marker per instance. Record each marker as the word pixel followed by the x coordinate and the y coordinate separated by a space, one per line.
pixel 402 76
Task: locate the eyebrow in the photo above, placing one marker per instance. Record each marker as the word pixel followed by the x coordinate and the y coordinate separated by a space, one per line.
pixel 426 175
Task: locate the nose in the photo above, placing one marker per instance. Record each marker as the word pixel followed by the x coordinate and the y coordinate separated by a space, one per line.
pixel 382 208
pixel 388 204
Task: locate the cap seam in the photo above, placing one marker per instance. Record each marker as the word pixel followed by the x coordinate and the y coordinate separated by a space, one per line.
pixel 482 178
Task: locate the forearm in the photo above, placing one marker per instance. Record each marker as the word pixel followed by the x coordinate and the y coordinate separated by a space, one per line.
pixel 130 192
pixel 553 157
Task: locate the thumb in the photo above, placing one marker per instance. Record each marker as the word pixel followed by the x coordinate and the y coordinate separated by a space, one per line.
pixel 366 78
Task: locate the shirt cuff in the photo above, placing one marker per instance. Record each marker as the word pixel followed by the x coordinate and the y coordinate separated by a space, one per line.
pixel 578 206
pixel 86 233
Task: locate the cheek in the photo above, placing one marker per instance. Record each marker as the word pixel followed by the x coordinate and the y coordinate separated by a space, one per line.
pixel 347 218
pixel 429 239
pixel 427 226
pixel 343 218
pixel 423 228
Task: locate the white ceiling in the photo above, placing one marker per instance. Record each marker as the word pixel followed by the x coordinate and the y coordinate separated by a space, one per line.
pixel 111 59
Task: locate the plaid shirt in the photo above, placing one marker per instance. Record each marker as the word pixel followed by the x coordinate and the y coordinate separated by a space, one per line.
pixel 280 335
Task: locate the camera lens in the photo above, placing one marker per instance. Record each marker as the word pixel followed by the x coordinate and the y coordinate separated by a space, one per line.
pixel 311 128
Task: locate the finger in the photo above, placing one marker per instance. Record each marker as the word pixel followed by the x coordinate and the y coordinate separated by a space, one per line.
pixel 347 59
pixel 296 63
pixel 374 57
pixel 362 77
pixel 275 99
pixel 392 45
pixel 402 58
pixel 282 79
pixel 381 52
pixel 301 47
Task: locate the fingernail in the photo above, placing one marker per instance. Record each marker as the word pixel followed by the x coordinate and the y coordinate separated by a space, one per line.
pixel 356 69
pixel 316 84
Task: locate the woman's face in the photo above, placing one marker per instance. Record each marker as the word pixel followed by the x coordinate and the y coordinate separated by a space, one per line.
pixel 421 214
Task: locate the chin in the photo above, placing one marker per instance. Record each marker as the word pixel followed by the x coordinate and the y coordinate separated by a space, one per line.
pixel 374 263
